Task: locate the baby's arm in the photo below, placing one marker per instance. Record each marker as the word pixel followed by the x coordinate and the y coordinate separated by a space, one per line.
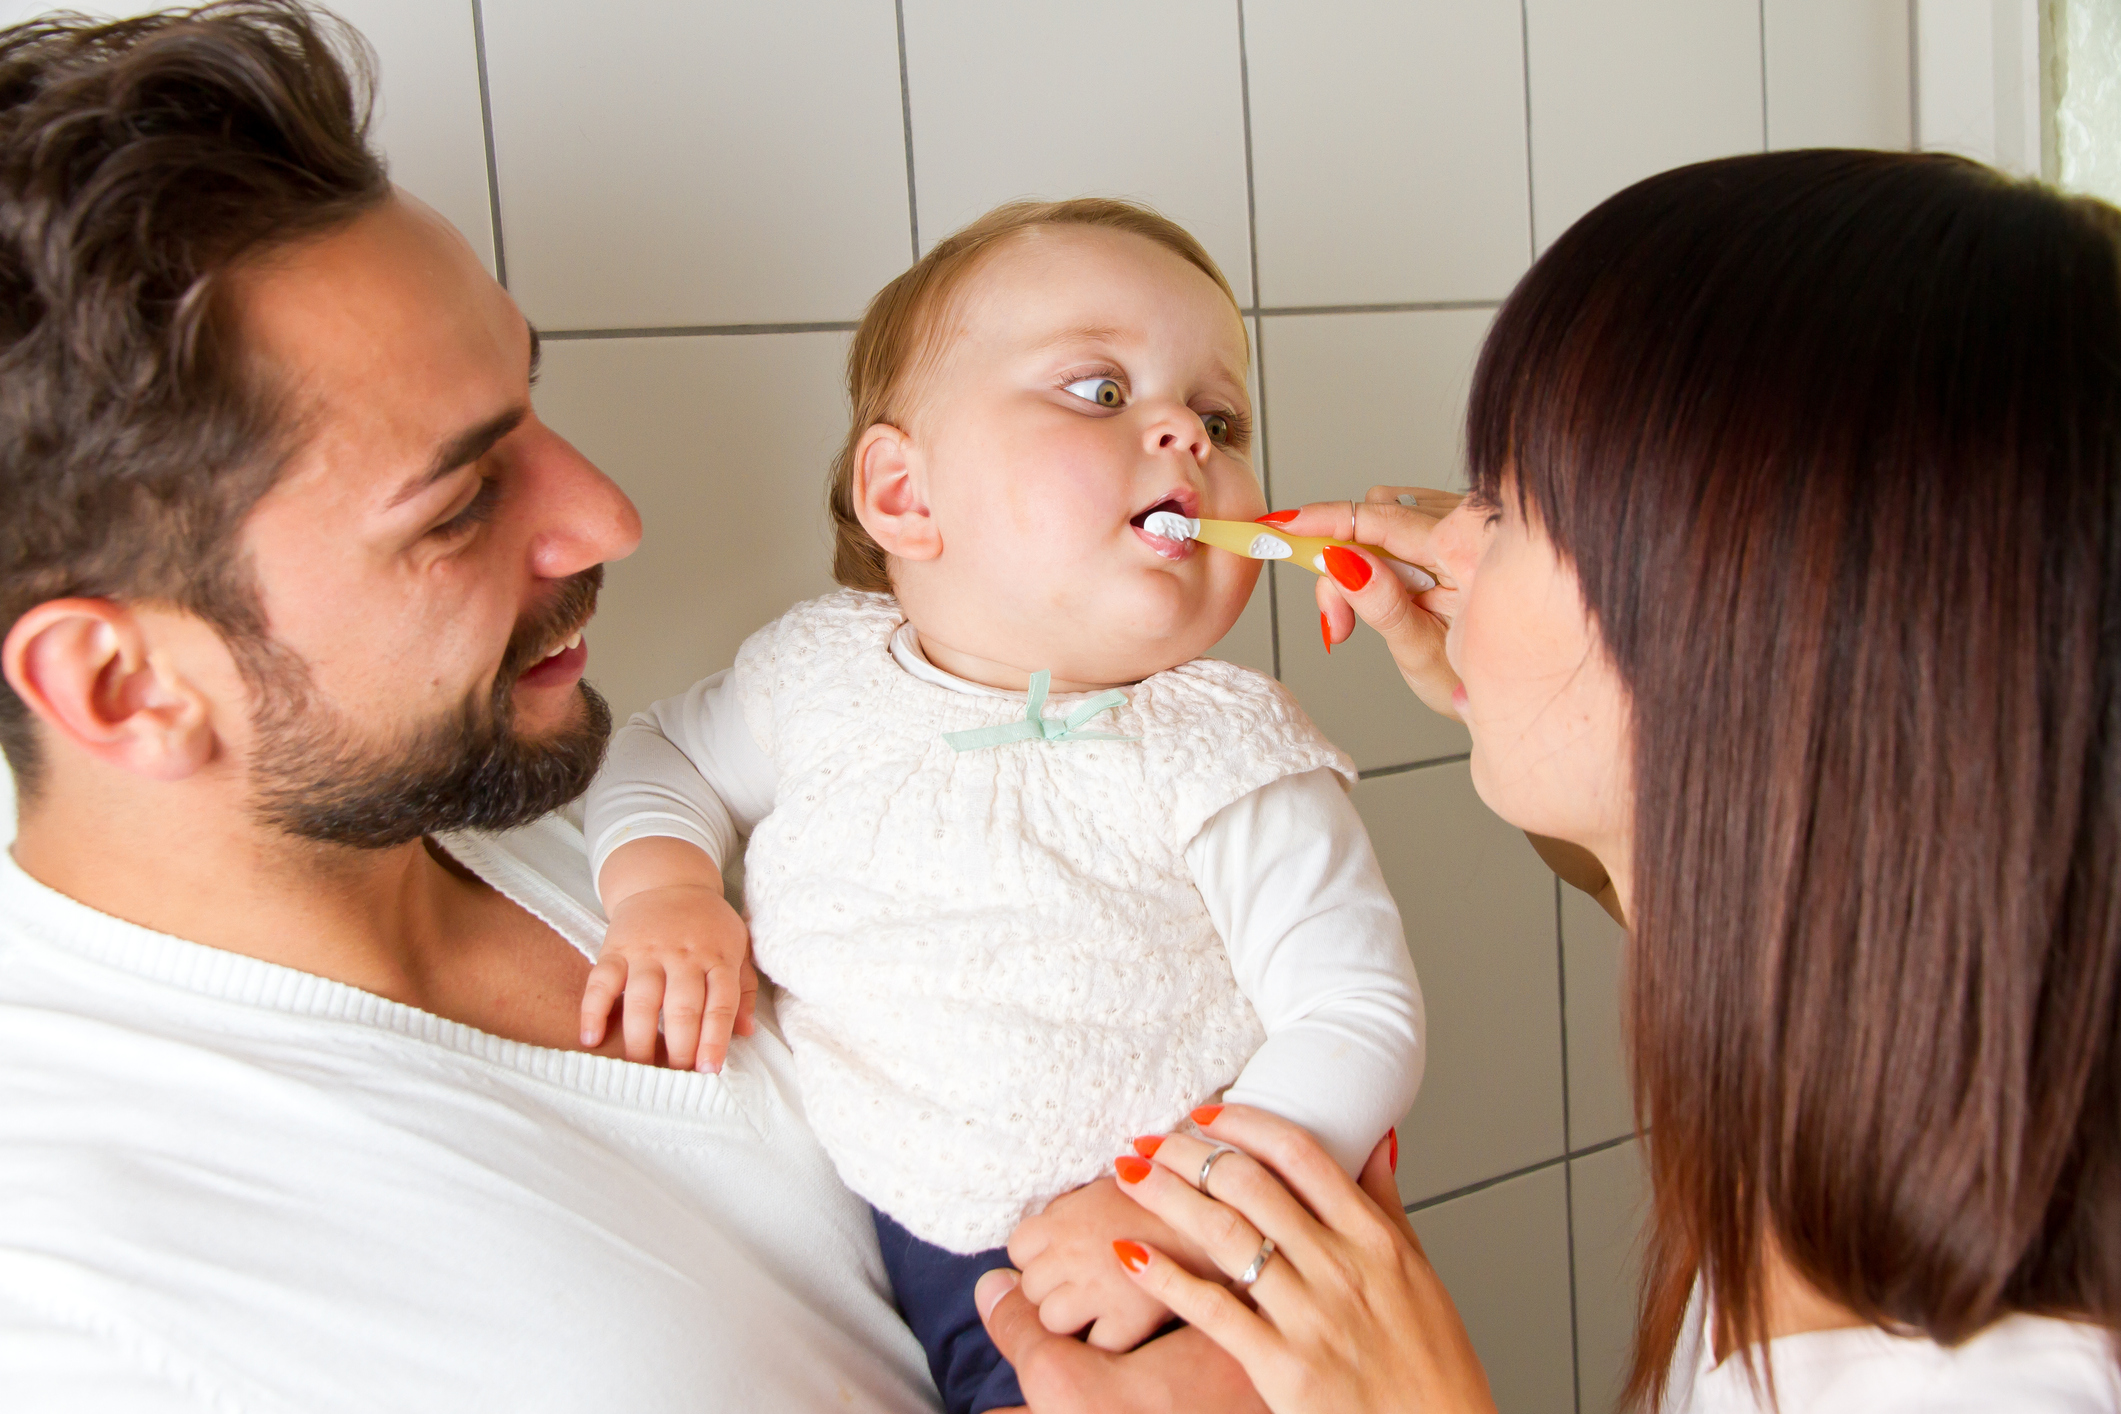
pixel 1316 944
pixel 682 779
pixel 1290 880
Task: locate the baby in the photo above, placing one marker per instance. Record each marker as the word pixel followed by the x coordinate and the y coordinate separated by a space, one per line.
pixel 1029 874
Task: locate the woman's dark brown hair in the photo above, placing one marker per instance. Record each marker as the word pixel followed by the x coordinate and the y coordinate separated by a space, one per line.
pixel 140 162
pixel 1833 442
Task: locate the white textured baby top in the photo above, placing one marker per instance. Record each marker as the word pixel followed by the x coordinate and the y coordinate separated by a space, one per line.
pixel 995 966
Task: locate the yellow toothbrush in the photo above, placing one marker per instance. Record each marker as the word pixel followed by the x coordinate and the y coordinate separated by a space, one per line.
pixel 1263 542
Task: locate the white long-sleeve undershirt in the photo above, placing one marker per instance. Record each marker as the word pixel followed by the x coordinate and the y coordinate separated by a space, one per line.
pixel 1287 875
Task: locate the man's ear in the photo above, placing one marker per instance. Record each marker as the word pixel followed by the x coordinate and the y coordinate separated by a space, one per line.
pixel 86 667
pixel 889 499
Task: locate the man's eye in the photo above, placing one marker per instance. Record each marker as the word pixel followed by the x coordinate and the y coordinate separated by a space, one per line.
pixel 1105 392
pixel 1218 426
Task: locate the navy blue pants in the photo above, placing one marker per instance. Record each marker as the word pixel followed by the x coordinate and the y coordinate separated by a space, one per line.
pixel 934 1291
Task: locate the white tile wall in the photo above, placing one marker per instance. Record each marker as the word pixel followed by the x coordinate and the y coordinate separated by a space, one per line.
pixel 1504 1254
pixel 723 442
pixel 1609 1192
pixel 1354 401
pixel 1625 88
pixel 1838 74
pixel 1479 912
pixel 1388 150
pixel 1095 97
pixel 1592 956
pixel 711 162
pixel 427 101
pixel 708 164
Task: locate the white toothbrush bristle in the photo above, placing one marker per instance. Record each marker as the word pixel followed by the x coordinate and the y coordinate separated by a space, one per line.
pixel 1170 525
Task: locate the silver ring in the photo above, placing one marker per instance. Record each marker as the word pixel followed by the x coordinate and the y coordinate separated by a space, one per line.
pixel 1259 1263
pixel 1215 1153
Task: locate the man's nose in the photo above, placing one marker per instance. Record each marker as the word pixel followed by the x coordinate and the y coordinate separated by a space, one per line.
pixel 582 517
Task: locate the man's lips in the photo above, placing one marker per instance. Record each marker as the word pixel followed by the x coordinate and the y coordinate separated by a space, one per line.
pixel 560 668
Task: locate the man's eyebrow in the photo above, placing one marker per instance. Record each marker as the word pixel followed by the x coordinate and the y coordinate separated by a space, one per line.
pixel 461 451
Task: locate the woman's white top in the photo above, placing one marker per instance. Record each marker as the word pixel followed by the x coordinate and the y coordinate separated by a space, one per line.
pixel 231 1186
pixel 2021 1364
pixel 997 965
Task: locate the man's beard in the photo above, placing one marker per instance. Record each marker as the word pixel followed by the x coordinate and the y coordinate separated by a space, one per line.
pixel 315 777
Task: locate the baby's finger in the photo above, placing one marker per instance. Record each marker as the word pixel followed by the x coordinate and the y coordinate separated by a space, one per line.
pixel 747 1010
pixel 724 1003
pixel 1066 1309
pixel 606 981
pixel 644 1002
pixel 1220 1316
pixel 684 1005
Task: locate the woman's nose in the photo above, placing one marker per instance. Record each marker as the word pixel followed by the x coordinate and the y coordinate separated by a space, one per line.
pixel 1456 543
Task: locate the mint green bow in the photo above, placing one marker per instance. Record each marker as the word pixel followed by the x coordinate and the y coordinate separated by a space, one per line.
pixel 1037 727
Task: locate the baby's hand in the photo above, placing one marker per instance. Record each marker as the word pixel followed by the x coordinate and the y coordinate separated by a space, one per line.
pixel 1071 1272
pixel 678 950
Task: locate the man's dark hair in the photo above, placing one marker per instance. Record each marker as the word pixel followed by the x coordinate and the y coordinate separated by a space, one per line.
pixel 140 163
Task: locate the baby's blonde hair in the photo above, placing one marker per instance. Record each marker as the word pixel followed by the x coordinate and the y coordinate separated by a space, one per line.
pixel 898 333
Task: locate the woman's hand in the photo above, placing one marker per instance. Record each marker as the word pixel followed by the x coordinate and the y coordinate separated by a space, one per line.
pixel 1350 1316
pixel 1398 519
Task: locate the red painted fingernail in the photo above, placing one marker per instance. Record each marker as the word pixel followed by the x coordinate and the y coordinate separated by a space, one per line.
pixel 1349 570
pixel 1148 1144
pixel 1131 1169
pixel 1325 630
pixel 1277 518
pixel 1205 1115
pixel 1393 1152
pixel 1132 1255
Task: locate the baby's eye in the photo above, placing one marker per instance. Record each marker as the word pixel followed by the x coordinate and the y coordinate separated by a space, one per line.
pixel 1105 392
pixel 1218 426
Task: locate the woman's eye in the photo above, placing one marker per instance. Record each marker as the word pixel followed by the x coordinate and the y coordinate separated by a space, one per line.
pixel 1105 392
pixel 1218 426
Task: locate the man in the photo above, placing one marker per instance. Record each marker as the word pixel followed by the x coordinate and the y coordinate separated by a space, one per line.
pixel 292 1114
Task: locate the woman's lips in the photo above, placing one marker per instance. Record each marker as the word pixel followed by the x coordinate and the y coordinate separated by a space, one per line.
pixel 559 670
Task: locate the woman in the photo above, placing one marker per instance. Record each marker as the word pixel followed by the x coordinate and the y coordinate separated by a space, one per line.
pixel 1788 599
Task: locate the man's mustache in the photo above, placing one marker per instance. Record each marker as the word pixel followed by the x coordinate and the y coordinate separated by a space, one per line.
pixel 571 608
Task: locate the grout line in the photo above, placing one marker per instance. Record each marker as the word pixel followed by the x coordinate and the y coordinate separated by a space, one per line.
pixel 493 166
pixel 1244 96
pixel 1531 213
pixel 1411 307
pixel 1486 1183
pixel 1568 1209
pixel 1561 971
pixel 1375 771
pixel 688 331
pixel 696 331
pixel 1765 144
pixel 905 105
pixel 1591 1150
pixel 1568 1138
pixel 1914 76
pixel 1259 331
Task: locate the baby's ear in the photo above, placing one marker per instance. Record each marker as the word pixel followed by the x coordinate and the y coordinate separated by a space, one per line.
pixel 889 499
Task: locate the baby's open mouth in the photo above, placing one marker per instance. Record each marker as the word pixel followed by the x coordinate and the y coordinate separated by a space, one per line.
pixel 1169 549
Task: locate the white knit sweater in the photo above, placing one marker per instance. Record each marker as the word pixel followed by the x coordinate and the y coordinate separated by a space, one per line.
pixel 1029 904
